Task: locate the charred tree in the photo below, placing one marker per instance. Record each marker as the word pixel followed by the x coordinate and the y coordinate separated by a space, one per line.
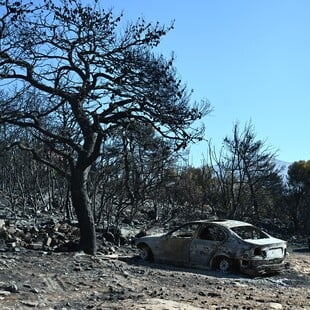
pixel 71 77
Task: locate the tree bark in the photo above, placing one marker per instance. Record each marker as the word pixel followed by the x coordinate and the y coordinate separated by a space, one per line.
pixel 81 205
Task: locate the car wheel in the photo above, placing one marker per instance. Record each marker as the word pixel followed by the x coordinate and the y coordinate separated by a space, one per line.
pixel 224 264
pixel 145 252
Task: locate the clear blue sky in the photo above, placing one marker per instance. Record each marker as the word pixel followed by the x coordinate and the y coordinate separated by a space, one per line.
pixel 249 58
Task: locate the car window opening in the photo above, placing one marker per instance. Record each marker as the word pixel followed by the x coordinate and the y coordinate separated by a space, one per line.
pixel 249 232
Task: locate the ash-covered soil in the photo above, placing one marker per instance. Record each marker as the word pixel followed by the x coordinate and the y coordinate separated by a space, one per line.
pixel 31 279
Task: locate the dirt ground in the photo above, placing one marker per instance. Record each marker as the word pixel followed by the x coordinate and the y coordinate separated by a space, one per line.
pixel 120 280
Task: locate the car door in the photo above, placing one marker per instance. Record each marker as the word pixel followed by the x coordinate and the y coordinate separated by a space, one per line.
pixel 176 245
pixel 207 243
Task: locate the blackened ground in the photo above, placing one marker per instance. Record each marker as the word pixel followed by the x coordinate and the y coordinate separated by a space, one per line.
pixel 120 280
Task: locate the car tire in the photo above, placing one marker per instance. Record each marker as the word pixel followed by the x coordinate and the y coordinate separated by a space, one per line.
pixel 145 252
pixel 224 264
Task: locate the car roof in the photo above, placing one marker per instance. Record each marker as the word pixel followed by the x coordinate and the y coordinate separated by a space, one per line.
pixel 225 223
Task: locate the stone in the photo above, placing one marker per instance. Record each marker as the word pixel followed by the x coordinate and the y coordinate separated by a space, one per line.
pixel 5 293
pixel 274 305
pixel 30 303
pixel 12 288
pixel 11 230
pixel 36 245
pixel 2 223
pixel 48 241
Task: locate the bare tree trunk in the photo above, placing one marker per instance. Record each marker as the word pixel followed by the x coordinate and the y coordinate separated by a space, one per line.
pixel 67 205
pixel 81 205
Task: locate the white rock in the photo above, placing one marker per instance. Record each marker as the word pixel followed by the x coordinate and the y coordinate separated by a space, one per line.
pixel 274 305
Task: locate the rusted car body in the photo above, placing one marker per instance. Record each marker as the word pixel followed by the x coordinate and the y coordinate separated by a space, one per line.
pixel 224 245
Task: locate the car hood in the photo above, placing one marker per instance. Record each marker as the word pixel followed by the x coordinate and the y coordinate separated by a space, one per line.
pixel 150 237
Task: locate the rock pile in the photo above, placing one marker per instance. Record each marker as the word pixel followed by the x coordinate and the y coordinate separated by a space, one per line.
pixel 46 236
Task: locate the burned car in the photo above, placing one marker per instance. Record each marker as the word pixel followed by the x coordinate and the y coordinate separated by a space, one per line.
pixel 223 245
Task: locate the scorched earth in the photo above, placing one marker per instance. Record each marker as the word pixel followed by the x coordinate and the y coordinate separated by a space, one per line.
pixel 118 279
